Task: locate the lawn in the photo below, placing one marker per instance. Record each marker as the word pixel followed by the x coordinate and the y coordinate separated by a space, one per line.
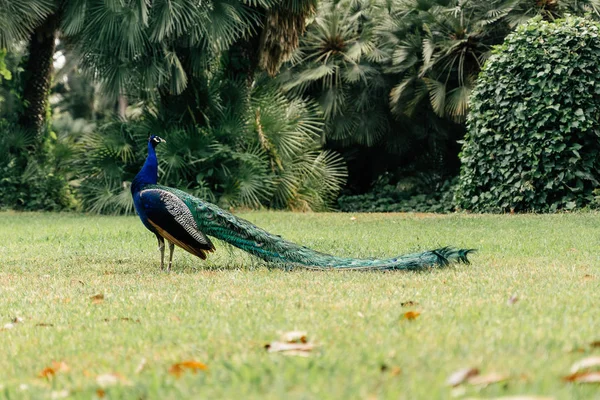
pixel 222 312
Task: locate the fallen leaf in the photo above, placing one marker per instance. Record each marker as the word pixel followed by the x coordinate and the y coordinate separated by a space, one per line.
pixel 294 337
pixel 595 344
pixel 396 371
pixel 100 393
pixel 290 349
pixel 588 277
pixel 194 366
pixel 60 366
pixel 411 315
pixel 487 379
pixel 352 218
pixel 409 303
pixel 293 343
pixel 97 298
pixel 47 373
pixel 57 366
pixel 461 376
pixel 585 364
pixel 360 315
pixel 583 377
pixel 141 365
pixel 43 324
pixel 512 300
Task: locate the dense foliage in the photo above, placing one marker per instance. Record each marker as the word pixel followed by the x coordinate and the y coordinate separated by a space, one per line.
pixel 383 84
pixel 532 141
pixel 259 149
pixel 410 195
pixel 30 179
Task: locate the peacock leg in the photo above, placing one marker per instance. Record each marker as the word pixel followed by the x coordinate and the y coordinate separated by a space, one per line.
pixel 171 250
pixel 161 247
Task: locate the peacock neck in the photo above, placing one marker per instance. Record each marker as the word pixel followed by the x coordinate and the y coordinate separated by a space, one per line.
pixel 148 175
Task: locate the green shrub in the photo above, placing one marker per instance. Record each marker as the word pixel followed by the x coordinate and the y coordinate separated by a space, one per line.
pixel 29 179
pixel 409 195
pixel 532 142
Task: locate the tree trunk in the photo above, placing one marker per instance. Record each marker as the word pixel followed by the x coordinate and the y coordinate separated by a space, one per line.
pixel 122 107
pixel 38 73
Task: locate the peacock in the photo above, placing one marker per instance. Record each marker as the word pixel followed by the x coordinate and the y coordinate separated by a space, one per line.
pixel 187 222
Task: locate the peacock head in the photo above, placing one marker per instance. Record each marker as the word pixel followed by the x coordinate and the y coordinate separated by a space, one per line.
pixel 154 140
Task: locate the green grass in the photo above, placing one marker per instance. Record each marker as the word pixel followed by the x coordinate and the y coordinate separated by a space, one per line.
pixel 222 312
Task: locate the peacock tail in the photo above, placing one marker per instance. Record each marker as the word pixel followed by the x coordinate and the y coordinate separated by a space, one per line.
pixel 211 220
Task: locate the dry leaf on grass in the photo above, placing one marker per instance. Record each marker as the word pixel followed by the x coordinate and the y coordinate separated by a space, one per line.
pixel 293 343
pixel 512 300
pixel 461 376
pixel 411 315
pixel 394 371
pixel 409 303
pixel 44 324
pixel 191 365
pixel 585 364
pixel 290 349
pixel 97 298
pixel 100 393
pixel 47 373
pixel 595 344
pixel 294 337
pixel 56 367
pixel 583 377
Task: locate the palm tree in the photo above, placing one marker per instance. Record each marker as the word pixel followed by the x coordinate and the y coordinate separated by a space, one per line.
pixel 437 52
pixel 338 63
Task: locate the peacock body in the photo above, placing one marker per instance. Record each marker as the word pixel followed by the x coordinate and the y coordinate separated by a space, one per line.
pixel 187 221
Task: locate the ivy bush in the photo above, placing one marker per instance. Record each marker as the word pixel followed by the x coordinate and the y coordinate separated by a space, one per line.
pixel 532 140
